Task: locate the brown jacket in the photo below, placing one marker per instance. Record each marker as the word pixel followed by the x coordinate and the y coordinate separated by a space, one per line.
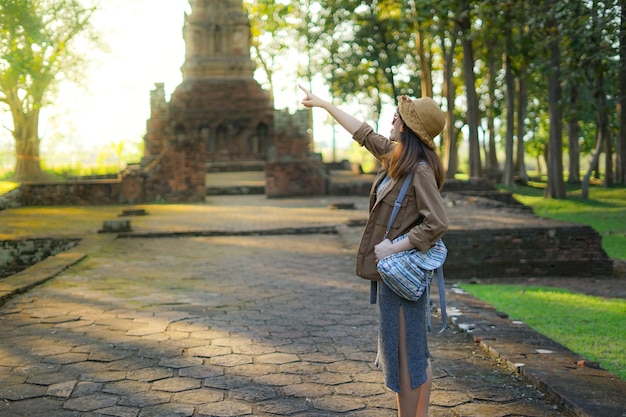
pixel 422 214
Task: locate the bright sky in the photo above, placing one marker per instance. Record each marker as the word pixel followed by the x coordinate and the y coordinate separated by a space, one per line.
pixel 145 47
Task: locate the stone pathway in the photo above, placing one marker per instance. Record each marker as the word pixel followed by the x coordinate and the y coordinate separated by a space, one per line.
pixel 224 326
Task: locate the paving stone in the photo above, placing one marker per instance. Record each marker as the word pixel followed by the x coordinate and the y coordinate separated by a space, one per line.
pixel 12 379
pixel 360 389
pixel 302 368
pixel 277 358
pixel 45 312
pixel 201 371
pixel 198 396
pixel 20 391
pixel 226 382
pixel 40 406
pixel 73 324
pixel 145 399
pixel 446 398
pixel 150 374
pixel 125 387
pixel 254 369
pixel 349 367
pixel 230 360
pixel 46 349
pixel 307 390
pixel 253 350
pixel 131 364
pixel 169 410
pixel 105 376
pixel 328 378
pixel 47 379
pixel 338 403
pixel 227 408
pixel 120 411
pixel 180 362
pixel 209 351
pixel 84 388
pixel 90 402
pixel 254 393
pixel 109 355
pixel 176 384
pixel 279 380
pixel 61 389
pixel 66 358
pixel 284 406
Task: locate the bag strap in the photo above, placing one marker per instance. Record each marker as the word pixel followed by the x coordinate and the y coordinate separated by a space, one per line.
pixel 396 208
pixel 398 203
pixel 442 302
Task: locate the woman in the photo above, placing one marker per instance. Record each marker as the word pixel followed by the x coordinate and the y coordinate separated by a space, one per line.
pixel 403 351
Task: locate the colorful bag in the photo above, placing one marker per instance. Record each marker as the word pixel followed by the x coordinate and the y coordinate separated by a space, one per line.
pixel 408 273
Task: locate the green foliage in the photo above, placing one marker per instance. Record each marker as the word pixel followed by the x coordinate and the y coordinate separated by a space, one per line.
pixel 590 326
pixel 605 211
pixel 37 49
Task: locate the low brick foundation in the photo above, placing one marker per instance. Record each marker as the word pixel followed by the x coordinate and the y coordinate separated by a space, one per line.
pixel 295 178
pixel 71 193
pixel 16 255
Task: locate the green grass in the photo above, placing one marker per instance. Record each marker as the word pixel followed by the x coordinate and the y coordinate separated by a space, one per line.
pixel 6 186
pixel 604 210
pixel 593 327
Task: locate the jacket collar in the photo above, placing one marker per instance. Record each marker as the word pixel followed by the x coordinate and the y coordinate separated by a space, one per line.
pixel 379 178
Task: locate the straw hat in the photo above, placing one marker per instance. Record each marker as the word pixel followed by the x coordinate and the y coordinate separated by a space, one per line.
pixel 423 116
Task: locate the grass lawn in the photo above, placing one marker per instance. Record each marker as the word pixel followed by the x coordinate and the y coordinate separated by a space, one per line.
pixel 6 186
pixel 605 211
pixel 593 327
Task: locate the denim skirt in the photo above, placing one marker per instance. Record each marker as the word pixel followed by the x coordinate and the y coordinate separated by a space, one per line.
pixel 414 318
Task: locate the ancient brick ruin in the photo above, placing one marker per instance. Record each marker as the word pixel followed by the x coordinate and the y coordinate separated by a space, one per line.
pixel 219 116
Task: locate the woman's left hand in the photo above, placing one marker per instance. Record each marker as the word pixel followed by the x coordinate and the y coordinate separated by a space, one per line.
pixel 383 249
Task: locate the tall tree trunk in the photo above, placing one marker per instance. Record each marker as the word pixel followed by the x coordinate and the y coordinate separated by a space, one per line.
pixel 450 137
pixel 574 133
pixel 507 175
pixel 26 135
pixel 522 101
pixel 596 157
pixel 556 185
pixel 492 157
pixel 424 61
pixel 620 143
pixel 469 77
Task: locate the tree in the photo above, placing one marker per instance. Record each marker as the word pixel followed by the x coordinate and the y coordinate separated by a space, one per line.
pixel 36 52
pixel 620 149
pixel 556 185
pixel 464 23
pixel 272 33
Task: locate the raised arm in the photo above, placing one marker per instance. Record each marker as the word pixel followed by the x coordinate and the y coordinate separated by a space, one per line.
pixel 349 122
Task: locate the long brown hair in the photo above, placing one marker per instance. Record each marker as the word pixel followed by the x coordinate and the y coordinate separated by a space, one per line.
pixel 409 151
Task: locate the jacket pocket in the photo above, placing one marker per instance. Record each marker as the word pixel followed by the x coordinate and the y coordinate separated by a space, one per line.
pixel 385 208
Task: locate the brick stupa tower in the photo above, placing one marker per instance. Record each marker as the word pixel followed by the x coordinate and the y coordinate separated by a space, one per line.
pixel 219 118
pixel 218 115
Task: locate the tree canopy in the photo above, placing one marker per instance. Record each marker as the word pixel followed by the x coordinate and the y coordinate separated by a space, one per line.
pixel 37 50
pixel 526 77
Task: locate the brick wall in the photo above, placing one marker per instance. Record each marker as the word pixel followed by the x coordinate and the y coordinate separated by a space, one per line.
pixel 70 193
pixel 568 250
pixel 295 178
pixel 16 255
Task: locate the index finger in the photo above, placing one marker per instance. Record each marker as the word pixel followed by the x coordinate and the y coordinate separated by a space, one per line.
pixel 308 93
